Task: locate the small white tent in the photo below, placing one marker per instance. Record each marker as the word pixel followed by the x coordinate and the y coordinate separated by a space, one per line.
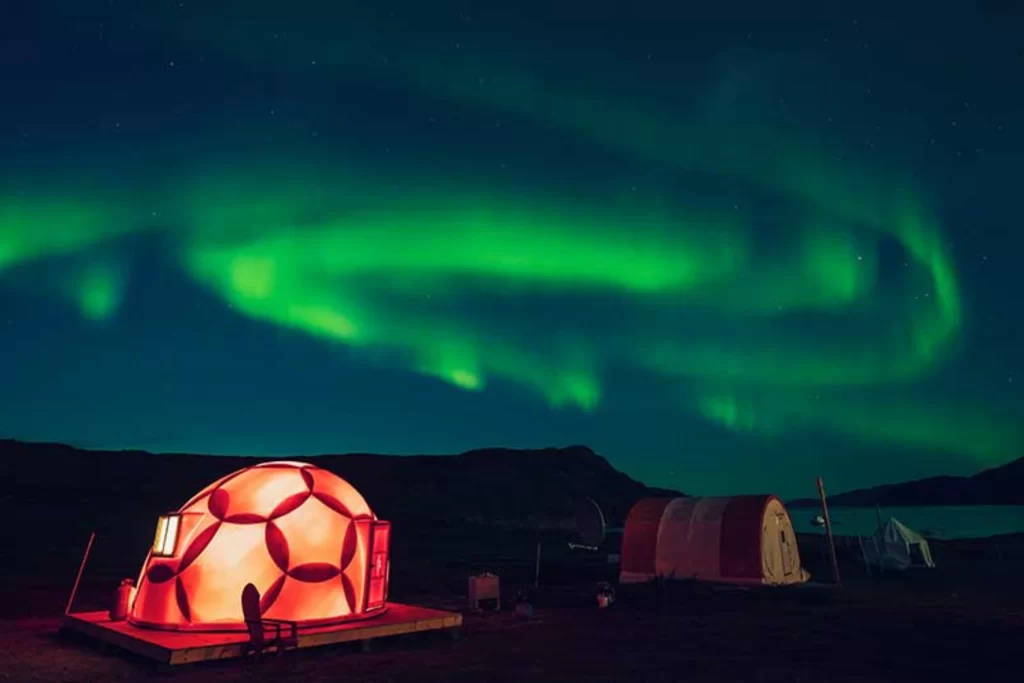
pixel 896 546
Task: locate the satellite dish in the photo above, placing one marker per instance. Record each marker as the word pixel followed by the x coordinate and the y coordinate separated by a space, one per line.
pixel 590 524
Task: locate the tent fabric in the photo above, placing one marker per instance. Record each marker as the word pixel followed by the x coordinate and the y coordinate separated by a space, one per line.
pixel 896 546
pixel 682 549
pixel 742 520
pixel 639 548
pixel 303 536
pixel 742 539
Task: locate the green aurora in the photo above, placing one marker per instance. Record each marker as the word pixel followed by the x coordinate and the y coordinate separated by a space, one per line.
pixel 383 264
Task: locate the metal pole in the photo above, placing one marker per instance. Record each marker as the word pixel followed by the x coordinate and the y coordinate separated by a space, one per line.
pixel 864 555
pixel 81 568
pixel 828 532
pixel 536 572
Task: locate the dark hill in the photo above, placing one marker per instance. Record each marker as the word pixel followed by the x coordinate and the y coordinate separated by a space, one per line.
pixel 57 494
pixel 1003 485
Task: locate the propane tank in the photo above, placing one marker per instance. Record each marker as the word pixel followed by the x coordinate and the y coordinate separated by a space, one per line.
pixel 122 600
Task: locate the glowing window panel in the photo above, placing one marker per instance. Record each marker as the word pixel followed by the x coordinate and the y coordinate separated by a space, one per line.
pixel 166 540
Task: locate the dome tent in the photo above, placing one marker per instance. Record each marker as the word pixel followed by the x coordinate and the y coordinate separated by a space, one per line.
pixel 740 540
pixel 303 536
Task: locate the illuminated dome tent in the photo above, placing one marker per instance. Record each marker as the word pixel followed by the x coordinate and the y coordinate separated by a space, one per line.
pixel 303 536
pixel 739 540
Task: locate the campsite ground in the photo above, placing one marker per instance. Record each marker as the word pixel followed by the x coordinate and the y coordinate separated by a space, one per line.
pixel 962 621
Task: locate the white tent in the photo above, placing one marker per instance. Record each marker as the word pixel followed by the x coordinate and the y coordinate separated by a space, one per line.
pixel 896 546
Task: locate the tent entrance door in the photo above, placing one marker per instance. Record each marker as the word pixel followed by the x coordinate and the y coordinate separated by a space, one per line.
pixel 785 545
pixel 380 568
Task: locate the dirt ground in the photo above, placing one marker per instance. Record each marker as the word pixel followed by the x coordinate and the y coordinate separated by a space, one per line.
pixel 946 625
pixel 820 635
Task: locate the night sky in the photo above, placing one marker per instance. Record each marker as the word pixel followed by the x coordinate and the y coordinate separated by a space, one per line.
pixel 731 246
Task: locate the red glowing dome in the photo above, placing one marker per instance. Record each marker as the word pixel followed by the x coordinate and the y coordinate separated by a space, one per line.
pixel 303 536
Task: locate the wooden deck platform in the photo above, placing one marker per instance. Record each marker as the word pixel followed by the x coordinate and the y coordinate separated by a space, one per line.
pixel 176 648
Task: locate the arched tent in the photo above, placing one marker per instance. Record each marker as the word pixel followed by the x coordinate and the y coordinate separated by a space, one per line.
pixel 896 546
pixel 303 536
pixel 742 540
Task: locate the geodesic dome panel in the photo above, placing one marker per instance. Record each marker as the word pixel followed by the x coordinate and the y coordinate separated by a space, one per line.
pixel 303 536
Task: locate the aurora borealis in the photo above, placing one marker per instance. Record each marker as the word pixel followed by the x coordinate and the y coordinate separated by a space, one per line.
pixel 721 258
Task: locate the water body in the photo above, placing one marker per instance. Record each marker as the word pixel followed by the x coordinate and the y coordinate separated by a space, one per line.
pixel 942 522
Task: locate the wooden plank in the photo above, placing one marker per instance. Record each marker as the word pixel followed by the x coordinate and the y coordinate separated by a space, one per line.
pixel 191 655
pixel 139 646
pixel 180 647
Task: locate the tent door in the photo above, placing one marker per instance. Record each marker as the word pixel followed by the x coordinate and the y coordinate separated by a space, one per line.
pixel 787 553
pixel 379 567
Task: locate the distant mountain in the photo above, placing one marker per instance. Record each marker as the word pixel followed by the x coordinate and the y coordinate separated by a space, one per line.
pixel 1003 485
pixel 500 487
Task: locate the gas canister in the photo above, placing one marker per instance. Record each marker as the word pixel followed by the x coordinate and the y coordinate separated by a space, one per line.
pixel 122 600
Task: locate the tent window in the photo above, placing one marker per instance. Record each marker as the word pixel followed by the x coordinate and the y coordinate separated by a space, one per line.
pixel 783 536
pixel 166 540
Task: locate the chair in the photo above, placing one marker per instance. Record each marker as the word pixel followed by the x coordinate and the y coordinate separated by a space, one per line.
pixel 259 626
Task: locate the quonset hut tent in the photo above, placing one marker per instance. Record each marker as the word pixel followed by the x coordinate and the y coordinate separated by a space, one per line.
pixel 741 540
pixel 303 536
pixel 896 546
